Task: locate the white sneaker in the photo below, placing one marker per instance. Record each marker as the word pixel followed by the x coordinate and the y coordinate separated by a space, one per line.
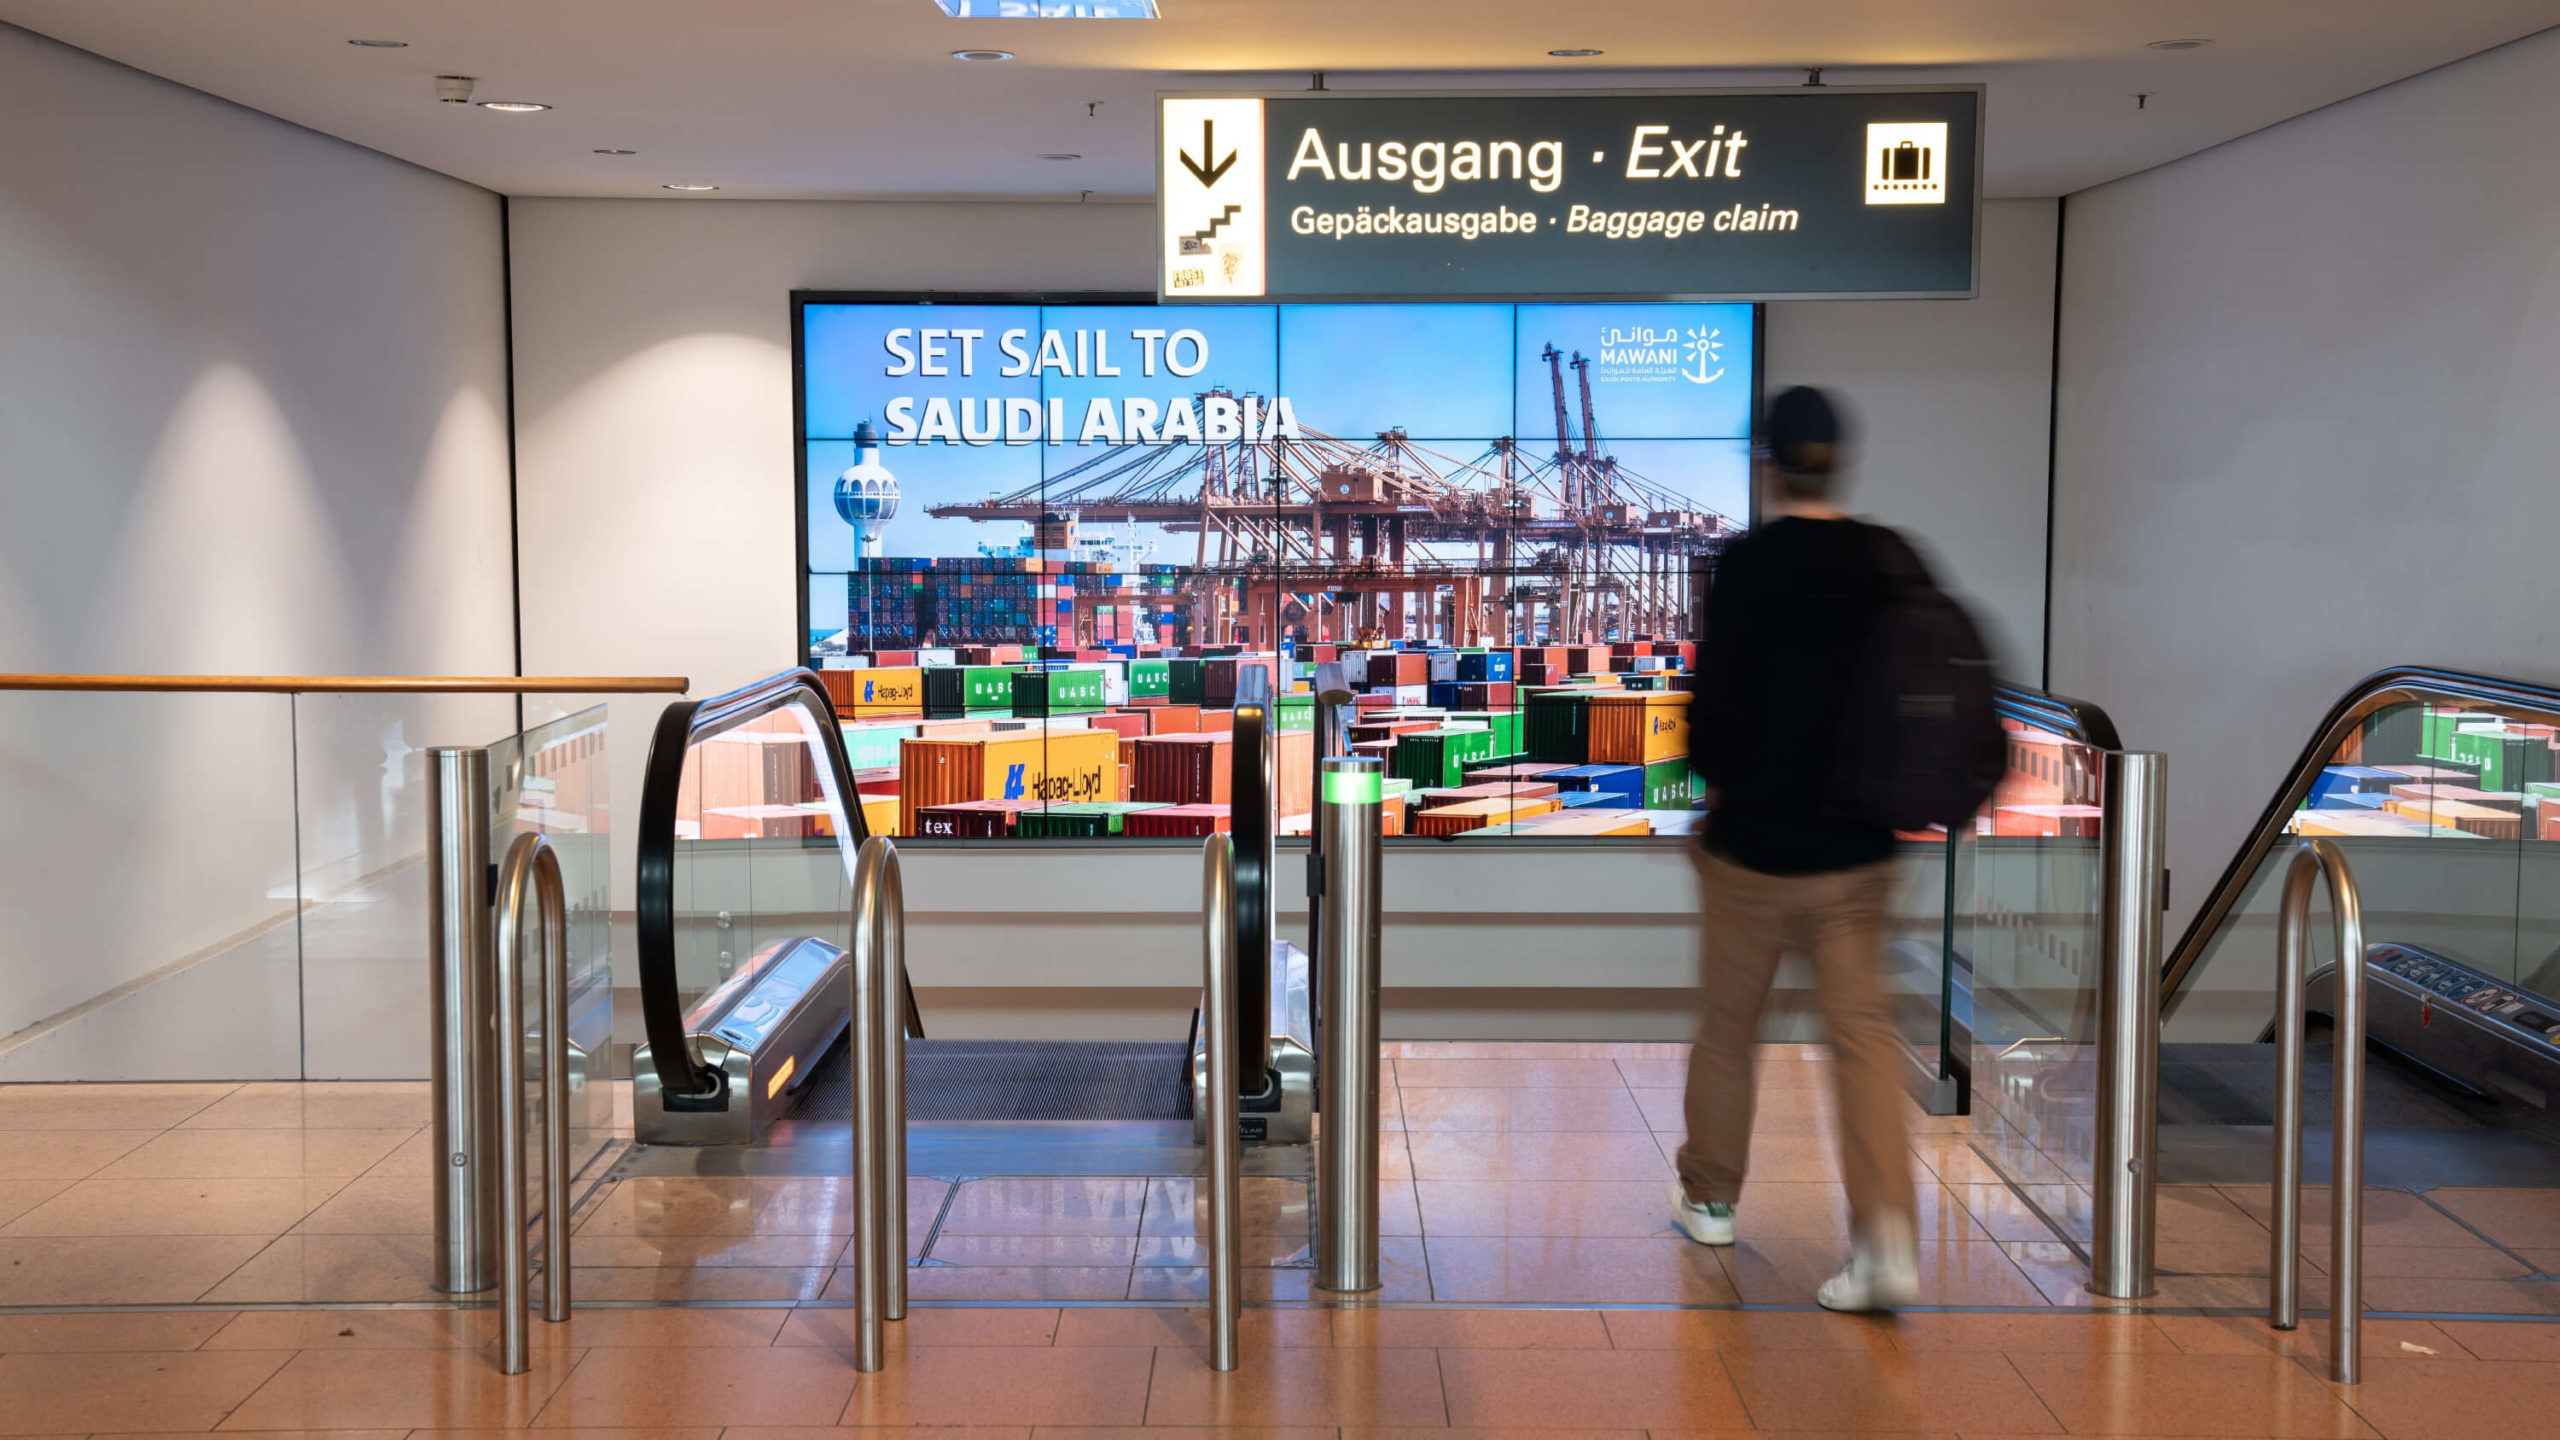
pixel 1708 1224
pixel 1883 1272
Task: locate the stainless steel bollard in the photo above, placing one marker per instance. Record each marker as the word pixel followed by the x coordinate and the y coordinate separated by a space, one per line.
pixel 1346 1196
pixel 461 1003
pixel 530 880
pixel 2132 838
pixel 2346 1138
pixel 1224 1182
pixel 879 1100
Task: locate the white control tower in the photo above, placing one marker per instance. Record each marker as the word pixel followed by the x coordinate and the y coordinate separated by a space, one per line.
pixel 867 494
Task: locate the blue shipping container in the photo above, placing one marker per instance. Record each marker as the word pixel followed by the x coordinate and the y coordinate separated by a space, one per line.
pixel 1626 781
pixel 1491 665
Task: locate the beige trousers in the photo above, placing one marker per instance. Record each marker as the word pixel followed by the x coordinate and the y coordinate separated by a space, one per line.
pixel 1838 922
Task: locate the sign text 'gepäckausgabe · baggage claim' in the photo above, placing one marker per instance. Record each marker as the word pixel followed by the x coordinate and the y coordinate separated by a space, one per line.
pixel 1727 195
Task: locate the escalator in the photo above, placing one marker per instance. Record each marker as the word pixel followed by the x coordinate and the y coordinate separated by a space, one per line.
pixel 2440 790
pixel 751 820
pixel 2443 791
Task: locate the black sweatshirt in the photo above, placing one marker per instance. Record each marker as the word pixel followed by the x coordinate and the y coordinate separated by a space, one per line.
pixel 1791 605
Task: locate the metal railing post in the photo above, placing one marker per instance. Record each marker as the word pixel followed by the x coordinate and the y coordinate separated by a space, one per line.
pixel 879 1100
pixel 1346 1208
pixel 531 874
pixel 2131 838
pixel 461 1053
pixel 1223 1181
pixel 2346 1137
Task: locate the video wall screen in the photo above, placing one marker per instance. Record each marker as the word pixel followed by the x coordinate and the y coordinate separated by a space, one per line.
pixel 1183 501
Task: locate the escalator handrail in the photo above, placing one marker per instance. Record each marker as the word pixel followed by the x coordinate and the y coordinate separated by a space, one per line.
pixel 2081 720
pixel 683 1076
pixel 2374 693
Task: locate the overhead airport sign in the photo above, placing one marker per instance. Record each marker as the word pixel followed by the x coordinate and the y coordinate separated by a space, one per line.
pixel 1814 192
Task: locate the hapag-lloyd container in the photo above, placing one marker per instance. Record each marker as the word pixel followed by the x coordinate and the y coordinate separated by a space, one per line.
pixel 1052 766
pixel 1638 727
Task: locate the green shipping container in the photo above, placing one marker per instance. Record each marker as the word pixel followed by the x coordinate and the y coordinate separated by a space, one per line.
pixel 1185 681
pixel 1438 759
pixel 1670 785
pixel 2505 763
pixel 1297 712
pixel 1084 820
pixel 968 689
pixel 1149 678
pixel 1056 692
pixel 1505 725
pixel 1556 727
pixel 874 747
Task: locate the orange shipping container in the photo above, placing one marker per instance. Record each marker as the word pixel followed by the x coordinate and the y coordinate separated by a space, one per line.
pixel 1638 727
pixel 1294 761
pixel 1057 767
pixel 877 692
pixel 1476 814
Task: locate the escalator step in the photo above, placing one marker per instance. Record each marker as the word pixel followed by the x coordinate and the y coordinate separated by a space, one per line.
pixel 957 1080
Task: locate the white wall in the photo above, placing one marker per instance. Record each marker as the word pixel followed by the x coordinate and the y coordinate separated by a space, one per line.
pixel 653 365
pixel 252 419
pixel 2310 399
pixel 1952 400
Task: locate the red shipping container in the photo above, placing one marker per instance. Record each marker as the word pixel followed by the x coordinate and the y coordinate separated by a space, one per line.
pixel 1398 667
pixel 1484 695
pixel 1177 820
pixel 888 659
pixel 972 819
pixel 1181 769
pixel 1631 648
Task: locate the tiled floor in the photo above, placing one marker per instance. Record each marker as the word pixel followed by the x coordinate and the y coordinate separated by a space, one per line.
pixel 1512 1174
pixel 1034 1373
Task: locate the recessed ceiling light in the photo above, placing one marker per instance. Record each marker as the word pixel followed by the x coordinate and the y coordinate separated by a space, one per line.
pixel 689 189
pixel 1574 54
pixel 2177 44
pixel 380 44
pixel 981 54
pixel 617 152
pixel 1062 155
pixel 514 107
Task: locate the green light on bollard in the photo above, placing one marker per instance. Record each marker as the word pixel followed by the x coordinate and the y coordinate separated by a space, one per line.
pixel 1353 787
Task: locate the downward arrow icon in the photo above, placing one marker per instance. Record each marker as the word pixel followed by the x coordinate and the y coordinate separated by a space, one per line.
pixel 1208 175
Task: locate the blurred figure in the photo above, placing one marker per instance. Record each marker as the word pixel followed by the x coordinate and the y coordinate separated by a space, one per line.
pixel 1794 732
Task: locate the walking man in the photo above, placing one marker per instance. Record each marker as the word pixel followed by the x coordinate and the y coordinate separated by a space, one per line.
pixel 1785 861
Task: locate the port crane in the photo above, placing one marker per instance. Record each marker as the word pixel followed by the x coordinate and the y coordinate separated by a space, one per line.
pixel 1348 538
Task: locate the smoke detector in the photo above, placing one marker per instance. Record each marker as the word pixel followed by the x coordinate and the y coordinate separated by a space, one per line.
pixel 455 89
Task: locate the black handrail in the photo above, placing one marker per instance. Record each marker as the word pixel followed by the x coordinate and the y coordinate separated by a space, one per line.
pixel 685 1081
pixel 2374 693
pixel 1249 812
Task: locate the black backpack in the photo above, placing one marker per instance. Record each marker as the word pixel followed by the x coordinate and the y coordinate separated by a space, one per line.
pixel 1920 739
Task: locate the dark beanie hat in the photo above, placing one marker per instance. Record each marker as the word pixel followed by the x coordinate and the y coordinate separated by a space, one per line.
pixel 1799 417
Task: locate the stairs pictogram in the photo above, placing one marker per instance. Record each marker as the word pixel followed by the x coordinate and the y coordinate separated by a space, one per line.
pixel 1204 236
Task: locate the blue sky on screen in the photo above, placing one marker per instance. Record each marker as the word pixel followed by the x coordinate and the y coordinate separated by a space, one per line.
pixel 847 354
pixel 1437 371
pixel 927 475
pixel 1243 352
pixel 1659 370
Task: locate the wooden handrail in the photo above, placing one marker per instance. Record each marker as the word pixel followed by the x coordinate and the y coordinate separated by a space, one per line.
pixel 361 684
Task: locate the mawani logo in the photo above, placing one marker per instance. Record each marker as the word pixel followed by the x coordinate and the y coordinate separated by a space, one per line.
pixel 1643 353
pixel 1706 348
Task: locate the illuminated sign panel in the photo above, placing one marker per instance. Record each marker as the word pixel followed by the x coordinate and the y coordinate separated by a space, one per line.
pixel 1813 192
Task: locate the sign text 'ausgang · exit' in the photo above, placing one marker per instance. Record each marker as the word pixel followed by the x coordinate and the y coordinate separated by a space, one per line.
pixel 1714 194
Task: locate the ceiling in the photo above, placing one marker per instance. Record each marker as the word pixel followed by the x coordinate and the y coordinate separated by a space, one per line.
pixel 844 98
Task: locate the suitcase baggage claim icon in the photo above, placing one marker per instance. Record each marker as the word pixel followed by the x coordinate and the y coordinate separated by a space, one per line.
pixel 1907 164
